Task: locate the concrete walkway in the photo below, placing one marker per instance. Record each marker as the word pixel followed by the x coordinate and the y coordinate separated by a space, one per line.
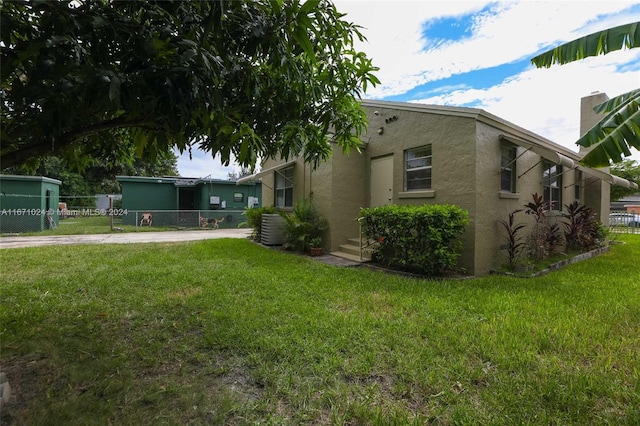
pixel 122 238
pixel 148 237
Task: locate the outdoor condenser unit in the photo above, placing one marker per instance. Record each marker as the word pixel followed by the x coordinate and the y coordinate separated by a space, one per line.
pixel 272 234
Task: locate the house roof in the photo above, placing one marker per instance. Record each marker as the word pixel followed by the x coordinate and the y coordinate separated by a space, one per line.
pixel 175 180
pixel 546 148
pixel 30 178
pixel 481 116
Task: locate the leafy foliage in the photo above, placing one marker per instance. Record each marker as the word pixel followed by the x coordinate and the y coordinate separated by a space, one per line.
pixel 615 133
pixel 421 239
pixel 582 231
pixel 629 170
pixel 545 237
pixel 599 43
pixel 515 245
pixel 304 227
pixel 619 129
pixel 98 176
pixel 237 79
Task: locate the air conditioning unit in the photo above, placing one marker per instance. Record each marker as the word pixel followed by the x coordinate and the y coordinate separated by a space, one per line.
pixel 272 233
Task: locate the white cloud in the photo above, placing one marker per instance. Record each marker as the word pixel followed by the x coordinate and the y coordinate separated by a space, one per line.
pixel 507 32
pixel 545 101
pixel 202 164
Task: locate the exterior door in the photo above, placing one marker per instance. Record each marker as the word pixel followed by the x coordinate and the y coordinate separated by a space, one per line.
pixel 381 181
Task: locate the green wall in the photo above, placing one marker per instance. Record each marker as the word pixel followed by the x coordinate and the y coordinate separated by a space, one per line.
pixel 152 194
pixel 28 193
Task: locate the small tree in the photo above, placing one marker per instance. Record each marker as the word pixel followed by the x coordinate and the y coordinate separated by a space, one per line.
pixel 545 237
pixel 582 231
pixel 514 245
pixel 304 225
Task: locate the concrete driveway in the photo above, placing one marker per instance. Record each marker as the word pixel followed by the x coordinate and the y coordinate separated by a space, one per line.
pixel 122 238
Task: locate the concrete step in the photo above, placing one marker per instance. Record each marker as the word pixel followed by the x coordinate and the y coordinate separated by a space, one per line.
pixel 350 249
pixel 352 257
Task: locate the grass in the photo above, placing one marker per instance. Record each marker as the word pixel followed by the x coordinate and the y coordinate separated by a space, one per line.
pixel 92 225
pixel 229 332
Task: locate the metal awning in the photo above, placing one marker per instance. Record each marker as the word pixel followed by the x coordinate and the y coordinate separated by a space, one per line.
pixel 546 153
pixel 607 177
pixel 563 160
pixel 264 172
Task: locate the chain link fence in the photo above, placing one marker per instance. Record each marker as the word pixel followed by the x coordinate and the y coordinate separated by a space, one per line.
pixel 203 219
pixel 624 222
pixel 20 220
pixel 19 214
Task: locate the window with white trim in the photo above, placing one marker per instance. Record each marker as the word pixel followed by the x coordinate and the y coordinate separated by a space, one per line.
pixel 417 168
pixel 508 168
pixel 284 187
pixel 552 184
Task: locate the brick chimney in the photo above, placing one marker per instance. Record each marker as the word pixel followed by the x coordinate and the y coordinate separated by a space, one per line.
pixel 597 194
pixel 588 117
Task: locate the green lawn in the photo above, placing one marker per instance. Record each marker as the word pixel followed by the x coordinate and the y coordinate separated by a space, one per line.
pixel 229 332
pixel 93 225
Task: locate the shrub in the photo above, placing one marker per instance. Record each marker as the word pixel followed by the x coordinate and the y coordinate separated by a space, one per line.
pixel 303 225
pixel 582 231
pixel 419 239
pixel 254 219
pixel 514 245
pixel 545 237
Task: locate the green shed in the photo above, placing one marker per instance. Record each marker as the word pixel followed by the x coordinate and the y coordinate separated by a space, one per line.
pixel 177 201
pixel 28 203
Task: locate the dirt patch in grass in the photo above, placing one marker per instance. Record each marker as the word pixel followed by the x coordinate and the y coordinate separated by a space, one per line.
pixel 31 378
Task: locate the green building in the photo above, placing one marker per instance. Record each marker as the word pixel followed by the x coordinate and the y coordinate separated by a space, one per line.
pixel 186 202
pixel 28 203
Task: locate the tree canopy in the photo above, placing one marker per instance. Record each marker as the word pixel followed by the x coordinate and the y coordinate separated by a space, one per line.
pixel 629 170
pixel 619 129
pixel 263 78
pixel 98 174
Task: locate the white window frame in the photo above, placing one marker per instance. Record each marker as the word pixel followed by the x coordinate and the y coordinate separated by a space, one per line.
pixel 414 162
pixel 283 188
pixel 508 166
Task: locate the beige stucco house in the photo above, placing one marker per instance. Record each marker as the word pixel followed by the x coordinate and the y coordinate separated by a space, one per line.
pixel 417 154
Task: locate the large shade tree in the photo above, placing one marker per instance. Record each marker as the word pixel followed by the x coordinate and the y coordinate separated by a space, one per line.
pixel 261 78
pixel 619 129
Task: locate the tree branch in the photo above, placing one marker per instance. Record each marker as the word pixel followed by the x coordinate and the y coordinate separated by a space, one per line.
pixel 21 154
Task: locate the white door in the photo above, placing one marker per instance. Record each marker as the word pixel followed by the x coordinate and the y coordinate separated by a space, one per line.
pixel 381 181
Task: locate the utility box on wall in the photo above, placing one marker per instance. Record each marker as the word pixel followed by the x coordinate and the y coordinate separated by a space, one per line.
pixel 214 202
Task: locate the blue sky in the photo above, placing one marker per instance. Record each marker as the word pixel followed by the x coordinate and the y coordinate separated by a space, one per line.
pixel 477 54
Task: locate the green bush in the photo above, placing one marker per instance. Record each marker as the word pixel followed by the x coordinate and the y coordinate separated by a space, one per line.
pixel 303 225
pixel 254 219
pixel 582 231
pixel 418 239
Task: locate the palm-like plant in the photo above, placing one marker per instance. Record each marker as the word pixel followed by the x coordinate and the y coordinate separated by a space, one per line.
pixel 619 129
pixel 514 244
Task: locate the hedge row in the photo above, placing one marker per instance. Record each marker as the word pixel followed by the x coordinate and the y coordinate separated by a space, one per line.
pixel 418 239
